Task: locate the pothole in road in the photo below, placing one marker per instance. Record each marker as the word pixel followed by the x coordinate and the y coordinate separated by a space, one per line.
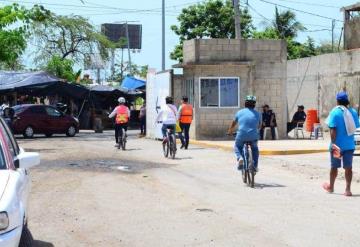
pixel 106 165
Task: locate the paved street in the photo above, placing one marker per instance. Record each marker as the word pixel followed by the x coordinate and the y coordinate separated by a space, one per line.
pixel 88 193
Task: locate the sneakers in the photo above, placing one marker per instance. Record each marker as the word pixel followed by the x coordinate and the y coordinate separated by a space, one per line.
pixel 182 146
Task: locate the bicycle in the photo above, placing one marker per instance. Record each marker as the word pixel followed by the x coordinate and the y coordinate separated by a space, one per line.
pixel 248 171
pixel 169 147
pixel 122 140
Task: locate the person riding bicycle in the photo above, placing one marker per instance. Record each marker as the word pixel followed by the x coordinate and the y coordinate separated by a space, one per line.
pixel 122 114
pixel 168 116
pixel 249 123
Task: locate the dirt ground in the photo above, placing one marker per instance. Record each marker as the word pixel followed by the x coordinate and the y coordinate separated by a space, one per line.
pixel 88 193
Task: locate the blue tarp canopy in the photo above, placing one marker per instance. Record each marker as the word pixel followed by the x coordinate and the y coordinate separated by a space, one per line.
pixel 131 83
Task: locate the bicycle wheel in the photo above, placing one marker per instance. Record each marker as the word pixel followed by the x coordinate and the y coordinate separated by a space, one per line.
pixel 124 141
pixel 244 175
pixel 119 142
pixel 251 170
pixel 172 146
pixel 166 149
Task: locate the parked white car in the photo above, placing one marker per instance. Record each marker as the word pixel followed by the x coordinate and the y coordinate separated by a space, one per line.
pixel 14 190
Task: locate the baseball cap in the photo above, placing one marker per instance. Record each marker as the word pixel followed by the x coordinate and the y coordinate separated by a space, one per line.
pixel 342 96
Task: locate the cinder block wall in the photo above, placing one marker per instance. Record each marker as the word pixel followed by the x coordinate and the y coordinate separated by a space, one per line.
pixel 261 67
pixel 315 81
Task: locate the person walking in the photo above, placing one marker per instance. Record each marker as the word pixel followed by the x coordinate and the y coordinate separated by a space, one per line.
pixel 342 122
pixel 185 114
pixel 142 117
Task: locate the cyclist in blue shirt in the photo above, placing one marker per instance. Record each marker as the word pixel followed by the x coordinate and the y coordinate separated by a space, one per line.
pixel 249 123
pixel 342 122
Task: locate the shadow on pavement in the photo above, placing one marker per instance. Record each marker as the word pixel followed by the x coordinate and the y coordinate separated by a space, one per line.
pixel 39 243
pixel 271 185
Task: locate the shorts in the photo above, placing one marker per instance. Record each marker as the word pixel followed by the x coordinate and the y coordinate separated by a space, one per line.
pixel 347 159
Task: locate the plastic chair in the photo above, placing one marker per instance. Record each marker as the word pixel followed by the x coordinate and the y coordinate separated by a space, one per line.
pixel 317 132
pixel 268 130
pixel 299 128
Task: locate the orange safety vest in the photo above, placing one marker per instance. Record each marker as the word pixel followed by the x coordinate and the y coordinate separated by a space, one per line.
pixel 122 115
pixel 186 113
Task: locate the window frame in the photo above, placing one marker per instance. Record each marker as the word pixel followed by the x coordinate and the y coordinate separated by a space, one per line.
pixel 219 92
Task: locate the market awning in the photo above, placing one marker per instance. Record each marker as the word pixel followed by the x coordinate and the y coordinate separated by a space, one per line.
pixel 10 81
pixel 131 83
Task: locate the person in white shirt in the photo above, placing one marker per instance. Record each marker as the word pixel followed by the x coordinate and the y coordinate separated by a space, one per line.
pixel 168 116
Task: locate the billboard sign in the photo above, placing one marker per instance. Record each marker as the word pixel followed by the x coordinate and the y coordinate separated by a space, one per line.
pixel 116 32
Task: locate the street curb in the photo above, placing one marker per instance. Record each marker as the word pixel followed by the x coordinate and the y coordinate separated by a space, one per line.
pixel 262 152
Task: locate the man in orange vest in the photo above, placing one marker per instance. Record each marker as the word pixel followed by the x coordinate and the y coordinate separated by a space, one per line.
pixel 185 114
pixel 122 118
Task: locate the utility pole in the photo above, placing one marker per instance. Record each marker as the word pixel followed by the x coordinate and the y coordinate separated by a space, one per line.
pixel 128 45
pixel 332 34
pixel 163 36
pixel 236 5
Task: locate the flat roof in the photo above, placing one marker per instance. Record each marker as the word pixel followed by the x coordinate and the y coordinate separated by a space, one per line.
pixel 187 65
pixel 354 7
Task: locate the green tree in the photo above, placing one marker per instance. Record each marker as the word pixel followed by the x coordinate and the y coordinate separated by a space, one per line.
pixel 69 37
pixel 62 68
pixel 15 22
pixel 209 19
pixel 268 33
pixel 123 70
pixel 286 24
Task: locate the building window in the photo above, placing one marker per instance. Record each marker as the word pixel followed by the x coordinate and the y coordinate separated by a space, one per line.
pixel 219 92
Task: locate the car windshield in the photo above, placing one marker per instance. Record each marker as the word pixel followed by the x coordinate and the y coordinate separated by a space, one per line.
pixel 19 108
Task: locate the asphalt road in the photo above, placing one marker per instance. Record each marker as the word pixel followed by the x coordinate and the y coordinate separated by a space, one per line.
pixel 88 193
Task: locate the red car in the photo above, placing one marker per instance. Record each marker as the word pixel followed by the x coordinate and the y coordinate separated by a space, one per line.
pixel 42 119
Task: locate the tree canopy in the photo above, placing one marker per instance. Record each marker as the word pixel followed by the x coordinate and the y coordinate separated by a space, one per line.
pixel 210 19
pixel 215 19
pixel 15 23
pixel 69 37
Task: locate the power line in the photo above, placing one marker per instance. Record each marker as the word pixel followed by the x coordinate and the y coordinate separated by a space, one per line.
pixel 270 21
pixel 311 4
pixel 253 9
pixel 316 30
pixel 301 11
pixel 85 7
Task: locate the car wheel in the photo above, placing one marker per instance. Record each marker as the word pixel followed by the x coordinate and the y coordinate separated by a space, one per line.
pixel 26 239
pixel 71 131
pixel 48 135
pixel 29 132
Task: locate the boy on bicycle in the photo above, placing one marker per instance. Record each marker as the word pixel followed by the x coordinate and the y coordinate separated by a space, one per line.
pixel 249 122
pixel 122 114
pixel 168 116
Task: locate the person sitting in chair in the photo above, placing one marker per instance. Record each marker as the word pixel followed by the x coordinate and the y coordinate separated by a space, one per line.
pixel 268 121
pixel 298 119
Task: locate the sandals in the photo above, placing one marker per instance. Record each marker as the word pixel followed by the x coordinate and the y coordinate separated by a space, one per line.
pixel 347 193
pixel 327 188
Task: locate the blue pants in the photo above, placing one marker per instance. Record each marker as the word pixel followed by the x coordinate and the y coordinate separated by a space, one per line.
pixel 239 151
pixel 167 126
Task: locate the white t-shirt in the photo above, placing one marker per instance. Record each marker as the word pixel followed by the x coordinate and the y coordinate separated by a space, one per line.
pixel 168 114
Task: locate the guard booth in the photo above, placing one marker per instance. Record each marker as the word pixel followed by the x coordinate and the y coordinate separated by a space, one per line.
pixel 158 87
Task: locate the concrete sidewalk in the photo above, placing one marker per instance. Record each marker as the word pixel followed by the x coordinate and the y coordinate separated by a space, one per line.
pixel 278 147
